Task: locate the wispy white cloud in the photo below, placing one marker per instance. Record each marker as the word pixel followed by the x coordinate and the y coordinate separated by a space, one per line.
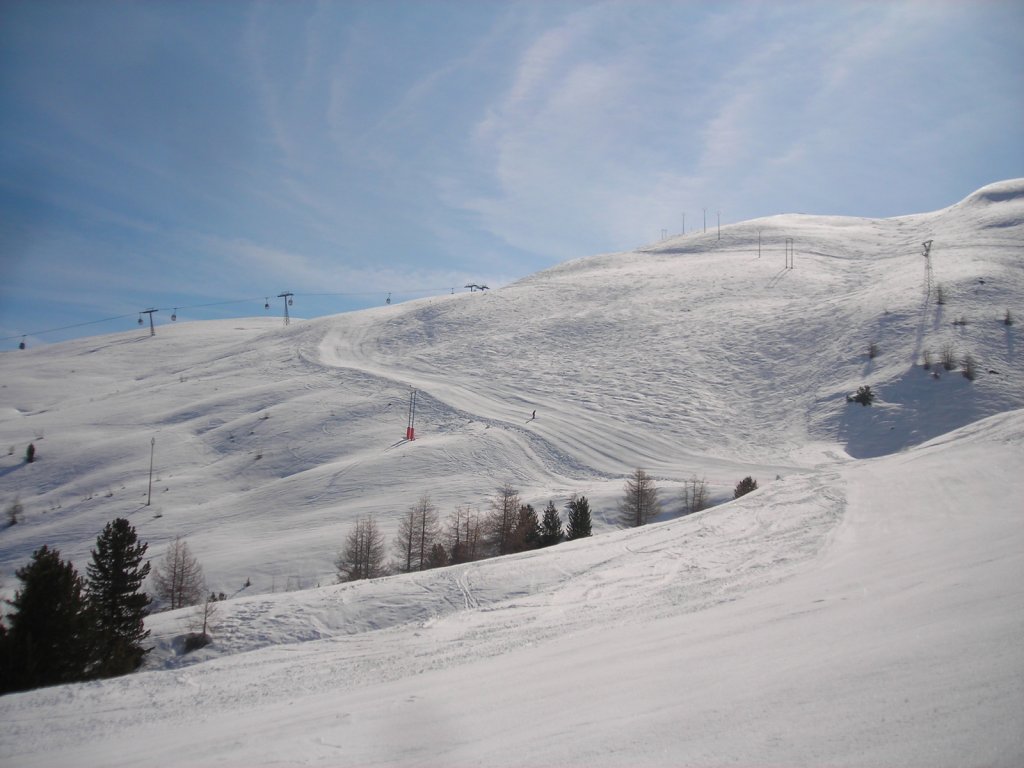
pixel 555 138
pixel 776 108
pixel 261 143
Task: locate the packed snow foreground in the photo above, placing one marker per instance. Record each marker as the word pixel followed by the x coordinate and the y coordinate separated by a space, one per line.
pixel 864 607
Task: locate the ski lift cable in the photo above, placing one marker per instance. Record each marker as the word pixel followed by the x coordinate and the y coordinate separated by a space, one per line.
pixel 228 302
pixel 67 327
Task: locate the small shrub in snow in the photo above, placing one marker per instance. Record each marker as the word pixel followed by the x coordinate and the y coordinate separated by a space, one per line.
pixel 744 486
pixel 196 640
pixel 926 360
pixel 970 367
pixel 1007 318
pixel 864 396
pixel 203 617
pixel 872 350
pixel 940 295
pixel 13 512
pixel 948 356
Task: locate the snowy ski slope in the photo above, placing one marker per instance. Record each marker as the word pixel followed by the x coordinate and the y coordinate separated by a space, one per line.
pixel 862 608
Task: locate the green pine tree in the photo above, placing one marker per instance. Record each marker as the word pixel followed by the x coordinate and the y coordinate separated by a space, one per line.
pixel 117 606
pixel 48 639
pixel 578 526
pixel 526 533
pixel 550 526
pixel 744 486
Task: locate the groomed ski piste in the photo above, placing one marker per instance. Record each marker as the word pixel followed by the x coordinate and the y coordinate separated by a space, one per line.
pixel 863 607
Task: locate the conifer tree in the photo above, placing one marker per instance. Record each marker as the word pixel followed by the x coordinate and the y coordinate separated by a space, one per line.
pixel 550 526
pixel 49 636
pixel 502 520
pixel 363 554
pixel 464 536
pixel 405 542
pixel 418 530
pixel 640 500
pixel 178 577
pixel 579 526
pixel 438 556
pixel 744 486
pixel 117 607
pixel 695 495
pixel 526 533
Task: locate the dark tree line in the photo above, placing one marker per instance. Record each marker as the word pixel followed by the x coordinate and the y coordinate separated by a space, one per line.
pixel 423 541
pixel 64 629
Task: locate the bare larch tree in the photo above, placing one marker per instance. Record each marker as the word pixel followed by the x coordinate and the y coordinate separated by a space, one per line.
pixel 178 577
pixel 640 502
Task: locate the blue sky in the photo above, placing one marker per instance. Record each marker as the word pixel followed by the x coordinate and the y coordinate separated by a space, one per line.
pixel 179 154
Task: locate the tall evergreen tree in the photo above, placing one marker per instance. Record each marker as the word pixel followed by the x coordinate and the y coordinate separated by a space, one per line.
pixel 49 636
pixel 550 526
pixel 117 607
pixel 579 524
pixel 526 533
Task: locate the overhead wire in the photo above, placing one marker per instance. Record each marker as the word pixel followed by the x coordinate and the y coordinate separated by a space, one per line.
pixel 179 307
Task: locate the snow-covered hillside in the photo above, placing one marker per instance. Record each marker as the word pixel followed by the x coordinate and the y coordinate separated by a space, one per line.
pixel 861 608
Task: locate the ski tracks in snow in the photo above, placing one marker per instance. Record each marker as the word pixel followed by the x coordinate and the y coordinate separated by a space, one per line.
pixel 487 607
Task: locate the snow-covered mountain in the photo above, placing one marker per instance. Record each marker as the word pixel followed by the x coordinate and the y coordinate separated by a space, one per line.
pixel 862 608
